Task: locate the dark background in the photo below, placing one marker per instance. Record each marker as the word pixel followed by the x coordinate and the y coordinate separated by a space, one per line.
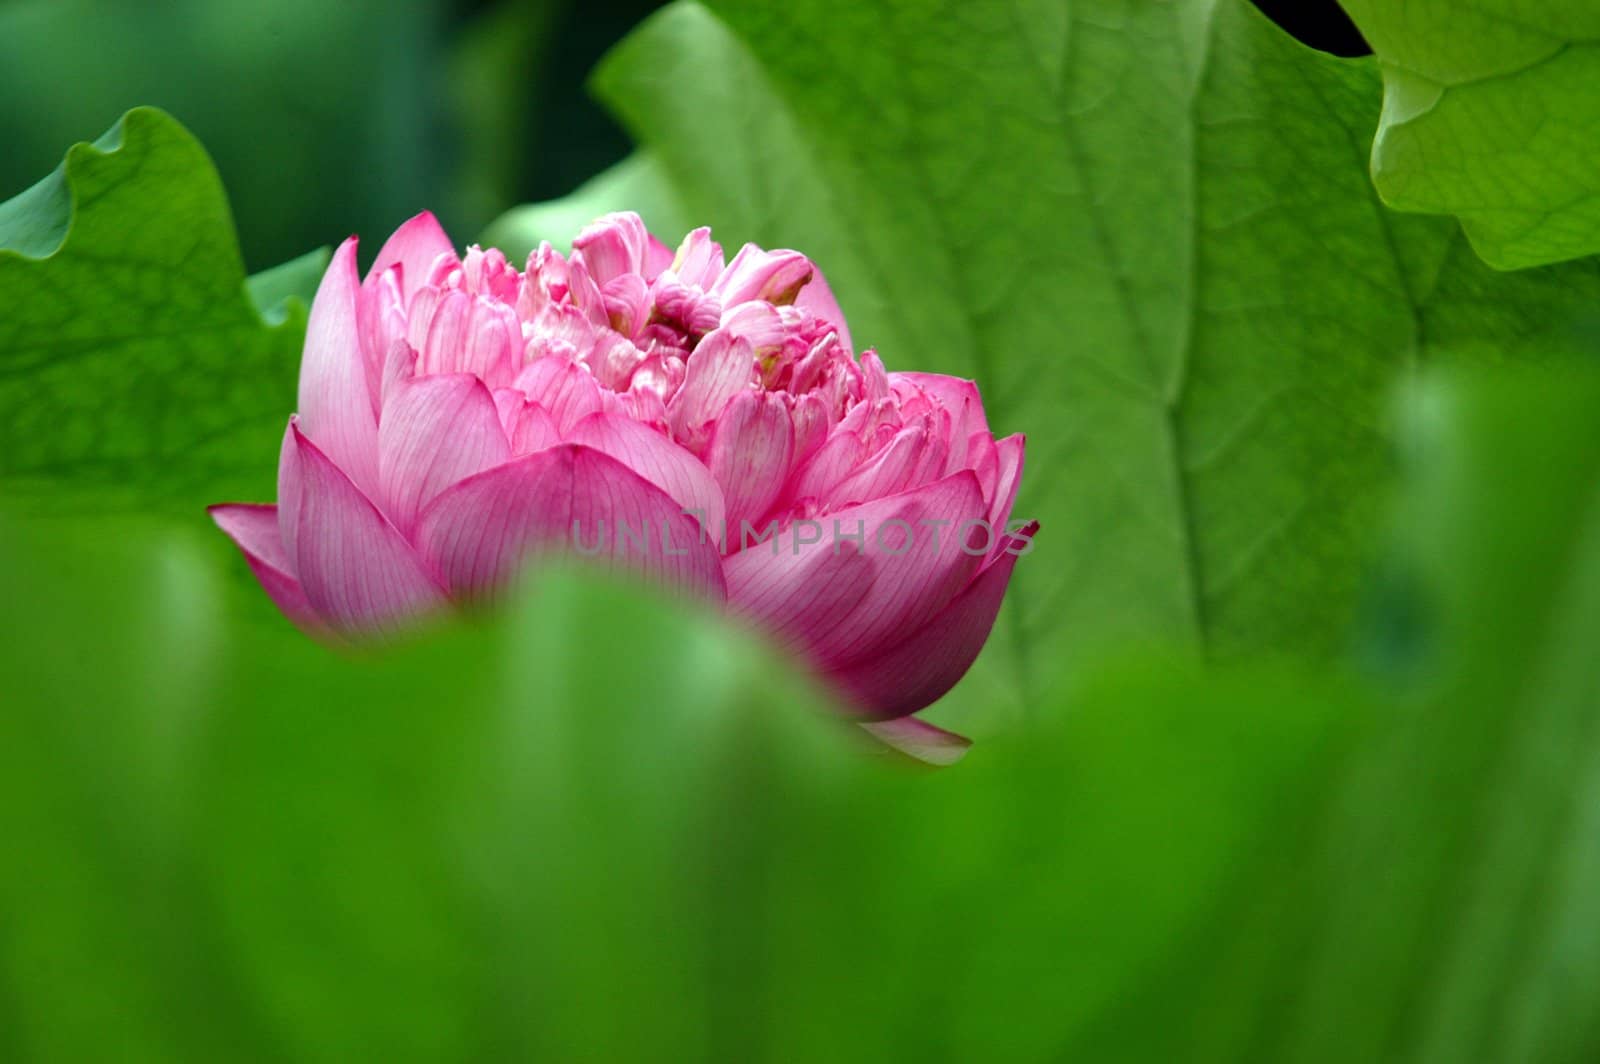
pixel 327 117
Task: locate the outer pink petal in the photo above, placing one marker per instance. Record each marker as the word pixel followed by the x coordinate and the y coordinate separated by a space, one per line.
pixel 254 530
pixel 909 587
pixel 817 297
pixel 414 247
pixel 915 566
pixel 480 532
pixel 751 447
pixel 435 431
pixel 917 671
pixel 335 401
pixel 921 740
pixel 660 461
pixel 1009 451
pixel 796 595
pixel 358 571
pixel 983 458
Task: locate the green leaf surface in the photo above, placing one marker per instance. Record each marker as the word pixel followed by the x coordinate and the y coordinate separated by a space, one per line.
pixel 135 366
pixel 1147 230
pixel 1489 114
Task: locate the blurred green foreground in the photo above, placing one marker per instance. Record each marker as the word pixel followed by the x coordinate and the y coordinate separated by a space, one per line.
pixel 600 827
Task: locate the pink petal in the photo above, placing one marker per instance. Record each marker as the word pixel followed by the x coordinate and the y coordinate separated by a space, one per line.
pixel 289 490
pixel 929 570
pixel 528 426
pixel 435 431
pixel 916 672
pixel 413 247
pixel 795 594
pixel 915 557
pixel 399 366
pixel 810 419
pixel 494 344
pixel 441 338
pixel 920 740
pixel 481 532
pixel 627 300
pixel 612 245
pixel 817 298
pixel 769 276
pixel 699 259
pixel 718 369
pixel 1009 452
pixel 983 458
pixel 831 463
pixel 358 571
pixel 613 359
pixel 584 292
pixel 874 378
pixel 657 257
pixel 381 320
pixel 759 323
pixel 660 461
pixel 335 401
pixel 751 447
pixel 954 394
pixel 888 472
pixel 254 530
pixel 562 387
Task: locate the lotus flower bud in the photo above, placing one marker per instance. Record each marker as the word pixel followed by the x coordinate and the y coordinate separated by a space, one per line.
pixel 706 424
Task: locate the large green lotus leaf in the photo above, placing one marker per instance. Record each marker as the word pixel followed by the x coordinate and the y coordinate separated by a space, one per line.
pixel 1489 113
pixel 135 364
pixel 1147 230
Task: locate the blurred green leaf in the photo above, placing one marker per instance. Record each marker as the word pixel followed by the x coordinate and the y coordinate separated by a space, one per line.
pixel 274 291
pixel 636 184
pixel 492 69
pixel 324 118
pixel 1489 113
pixel 1445 904
pixel 234 843
pixel 1464 875
pixel 134 365
pixel 1147 230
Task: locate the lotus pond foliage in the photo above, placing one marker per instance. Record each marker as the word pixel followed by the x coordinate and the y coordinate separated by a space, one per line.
pixel 1280 741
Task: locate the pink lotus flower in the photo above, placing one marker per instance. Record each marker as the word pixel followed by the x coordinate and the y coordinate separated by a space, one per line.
pixel 702 422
